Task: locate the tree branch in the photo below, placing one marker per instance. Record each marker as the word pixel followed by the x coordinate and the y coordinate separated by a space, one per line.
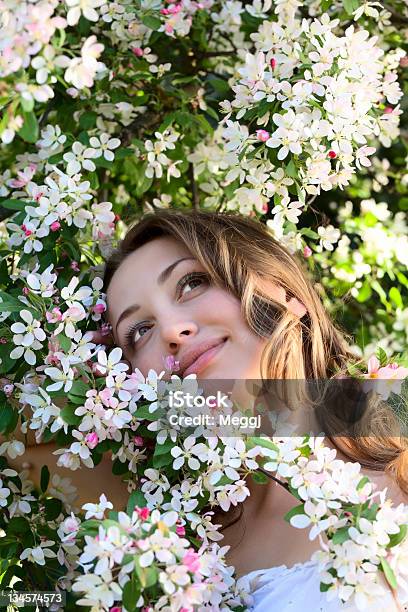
pixel 194 190
pixel 269 475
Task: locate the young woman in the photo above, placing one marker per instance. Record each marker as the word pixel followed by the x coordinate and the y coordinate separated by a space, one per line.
pixel 191 283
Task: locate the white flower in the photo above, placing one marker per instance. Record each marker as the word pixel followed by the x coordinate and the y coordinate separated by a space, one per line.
pixel 313 515
pixel 4 493
pixel 328 236
pixel 38 554
pixel 71 294
pixel 81 71
pixel 291 211
pixel 42 284
pixel 84 7
pixel 79 157
pixel 104 145
pixel 97 510
pixel 28 337
pixel 64 378
pixel 13 448
pixel 51 142
pixel 112 364
pixel 189 449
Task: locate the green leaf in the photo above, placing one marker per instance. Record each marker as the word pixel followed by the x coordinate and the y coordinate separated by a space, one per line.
pixel 135 499
pixel 18 525
pixel 389 573
pixel 397 538
pixel 395 296
pixel 79 388
pixel 362 482
pixel 165 448
pixel 341 535
pixel 53 508
pixel 291 170
pixel 119 468
pixel 88 120
pixel 294 511
pixel 13 204
pixel 67 415
pixel 381 356
pixel 260 478
pixel 142 413
pixel 219 85
pixel 131 593
pixel 365 293
pixel 45 478
pixel 403 203
pixel 350 5
pixel 30 130
pixel 264 442
pixel 151 22
pixel 8 416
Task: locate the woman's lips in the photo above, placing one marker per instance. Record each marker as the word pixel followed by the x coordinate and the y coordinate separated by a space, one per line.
pixel 204 359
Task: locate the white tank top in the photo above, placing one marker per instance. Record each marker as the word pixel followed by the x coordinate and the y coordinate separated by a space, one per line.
pixel 296 589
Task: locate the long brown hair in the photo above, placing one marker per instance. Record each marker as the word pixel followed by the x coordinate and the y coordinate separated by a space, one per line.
pixel 241 256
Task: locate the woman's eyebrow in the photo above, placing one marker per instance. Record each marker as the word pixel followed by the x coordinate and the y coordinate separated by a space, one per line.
pixel 163 276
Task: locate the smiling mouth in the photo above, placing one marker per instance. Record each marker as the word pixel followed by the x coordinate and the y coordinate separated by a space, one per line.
pixel 204 359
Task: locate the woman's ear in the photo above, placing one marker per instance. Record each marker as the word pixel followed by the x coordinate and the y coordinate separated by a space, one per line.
pixel 278 293
pixel 297 307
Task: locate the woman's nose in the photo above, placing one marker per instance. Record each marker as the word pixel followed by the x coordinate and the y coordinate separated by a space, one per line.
pixel 176 333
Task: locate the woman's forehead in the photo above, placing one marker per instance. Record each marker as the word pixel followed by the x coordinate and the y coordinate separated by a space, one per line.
pixel 141 267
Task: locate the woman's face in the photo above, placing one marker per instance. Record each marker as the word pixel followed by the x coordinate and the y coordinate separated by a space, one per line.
pixel 160 306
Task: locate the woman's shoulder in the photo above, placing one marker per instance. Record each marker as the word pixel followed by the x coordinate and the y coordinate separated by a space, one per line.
pixel 282 588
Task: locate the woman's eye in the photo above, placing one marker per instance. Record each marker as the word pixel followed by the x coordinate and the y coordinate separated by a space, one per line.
pixel 131 335
pixel 190 279
pixel 136 332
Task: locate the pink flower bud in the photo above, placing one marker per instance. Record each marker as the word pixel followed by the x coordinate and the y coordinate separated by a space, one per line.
pixel 26 290
pixel 138 440
pixel 144 513
pixel 28 233
pixel 388 110
pixel 180 530
pixel 74 266
pixel 262 135
pixel 273 63
pixel 404 62
pixel 307 251
pixel 138 51
pixel 24 227
pixel 99 308
pixel 164 11
pixel 115 609
pixel 91 439
pixel 54 227
pixel 3 340
pixel 173 10
pixel 332 154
